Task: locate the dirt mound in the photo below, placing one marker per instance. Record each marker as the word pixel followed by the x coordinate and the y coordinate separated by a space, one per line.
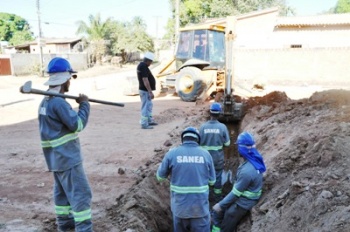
pixel 305 144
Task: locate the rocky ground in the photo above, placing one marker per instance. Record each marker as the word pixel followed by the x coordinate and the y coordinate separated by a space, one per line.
pixel 305 143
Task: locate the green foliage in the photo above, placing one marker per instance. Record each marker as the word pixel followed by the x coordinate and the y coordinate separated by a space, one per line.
pixel 131 37
pixel 14 29
pixel 194 11
pixel 343 6
pixel 98 33
pixel 114 37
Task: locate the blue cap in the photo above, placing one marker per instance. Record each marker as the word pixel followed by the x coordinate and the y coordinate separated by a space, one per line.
pixel 59 64
pixel 215 108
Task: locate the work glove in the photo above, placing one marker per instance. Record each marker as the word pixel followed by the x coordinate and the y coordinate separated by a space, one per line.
pixel 81 98
pixel 217 208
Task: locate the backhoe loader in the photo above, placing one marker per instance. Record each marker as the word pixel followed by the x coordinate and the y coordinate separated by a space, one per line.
pixel 203 66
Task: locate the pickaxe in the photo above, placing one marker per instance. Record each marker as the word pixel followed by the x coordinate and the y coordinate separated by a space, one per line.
pixel 27 88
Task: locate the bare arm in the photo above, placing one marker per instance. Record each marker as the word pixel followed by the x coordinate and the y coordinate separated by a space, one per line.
pixel 148 86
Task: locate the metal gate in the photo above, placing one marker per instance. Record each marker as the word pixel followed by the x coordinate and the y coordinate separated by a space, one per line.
pixel 5 67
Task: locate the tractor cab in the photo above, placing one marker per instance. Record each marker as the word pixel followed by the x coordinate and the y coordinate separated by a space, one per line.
pixel 202 44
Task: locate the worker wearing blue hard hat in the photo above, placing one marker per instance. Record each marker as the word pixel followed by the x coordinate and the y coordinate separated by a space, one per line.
pixel 59 127
pixel 246 190
pixel 214 137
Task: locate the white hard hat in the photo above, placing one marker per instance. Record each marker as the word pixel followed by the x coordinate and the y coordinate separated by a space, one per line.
pixel 149 55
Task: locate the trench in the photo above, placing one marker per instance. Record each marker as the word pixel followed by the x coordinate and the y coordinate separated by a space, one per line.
pixel 147 208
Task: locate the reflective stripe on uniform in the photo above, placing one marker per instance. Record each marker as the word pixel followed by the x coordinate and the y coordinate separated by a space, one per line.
pixel 58 142
pixel 212 182
pixel 82 215
pixel 247 194
pixel 212 148
pixel 80 125
pixel 62 210
pixel 188 189
pixel 160 178
pixel 217 191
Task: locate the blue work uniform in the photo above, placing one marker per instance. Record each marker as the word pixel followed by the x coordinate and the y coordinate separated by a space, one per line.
pixel 59 128
pixel 245 194
pixel 214 136
pixel 191 171
pixel 146 101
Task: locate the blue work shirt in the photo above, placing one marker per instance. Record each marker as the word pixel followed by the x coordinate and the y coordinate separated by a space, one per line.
pixel 59 126
pixel 247 188
pixel 191 171
pixel 214 136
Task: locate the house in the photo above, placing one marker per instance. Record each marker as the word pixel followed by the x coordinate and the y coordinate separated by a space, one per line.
pixel 50 46
pixel 24 59
pixel 320 31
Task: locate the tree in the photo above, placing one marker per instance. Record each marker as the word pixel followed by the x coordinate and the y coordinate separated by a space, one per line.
pixel 342 6
pixel 194 11
pixel 129 37
pixel 14 29
pixel 98 33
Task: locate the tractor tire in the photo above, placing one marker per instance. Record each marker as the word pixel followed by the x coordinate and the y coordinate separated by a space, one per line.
pixel 189 84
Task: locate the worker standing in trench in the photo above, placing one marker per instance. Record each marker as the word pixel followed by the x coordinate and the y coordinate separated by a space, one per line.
pixel 59 126
pixel 246 190
pixel 191 171
pixel 214 136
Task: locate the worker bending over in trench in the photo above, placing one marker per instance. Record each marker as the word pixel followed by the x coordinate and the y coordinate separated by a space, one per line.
pixel 191 171
pixel 214 136
pixel 59 128
pixel 246 190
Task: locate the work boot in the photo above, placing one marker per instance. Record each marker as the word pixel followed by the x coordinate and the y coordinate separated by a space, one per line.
pixel 146 127
pixel 152 123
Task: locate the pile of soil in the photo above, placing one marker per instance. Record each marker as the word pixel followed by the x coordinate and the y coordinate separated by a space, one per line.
pixel 305 144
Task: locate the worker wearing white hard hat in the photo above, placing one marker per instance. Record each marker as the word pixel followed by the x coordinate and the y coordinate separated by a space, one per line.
pixel 147 84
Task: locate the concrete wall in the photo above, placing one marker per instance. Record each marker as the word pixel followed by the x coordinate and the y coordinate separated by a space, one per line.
pixel 298 66
pixel 26 64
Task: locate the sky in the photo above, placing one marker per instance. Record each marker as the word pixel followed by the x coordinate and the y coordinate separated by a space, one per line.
pixel 59 17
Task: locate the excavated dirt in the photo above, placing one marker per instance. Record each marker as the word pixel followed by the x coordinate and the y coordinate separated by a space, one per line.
pixel 305 144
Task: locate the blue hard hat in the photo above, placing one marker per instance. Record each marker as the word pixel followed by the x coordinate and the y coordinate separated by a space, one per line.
pixel 59 64
pixel 191 132
pixel 245 138
pixel 215 108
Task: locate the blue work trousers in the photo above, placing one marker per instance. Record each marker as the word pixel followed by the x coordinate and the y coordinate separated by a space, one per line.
pixel 218 182
pixel 228 219
pixel 72 196
pixel 192 224
pixel 146 108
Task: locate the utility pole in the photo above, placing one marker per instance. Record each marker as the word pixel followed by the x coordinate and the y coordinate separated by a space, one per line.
pixel 177 19
pixel 39 39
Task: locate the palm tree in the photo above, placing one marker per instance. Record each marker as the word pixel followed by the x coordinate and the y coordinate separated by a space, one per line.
pixel 98 33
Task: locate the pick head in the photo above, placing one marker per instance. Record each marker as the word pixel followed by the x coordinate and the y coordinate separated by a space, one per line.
pixel 27 87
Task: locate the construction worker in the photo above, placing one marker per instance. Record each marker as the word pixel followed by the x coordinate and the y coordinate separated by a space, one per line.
pixel 191 171
pixel 147 83
pixel 246 190
pixel 214 136
pixel 59 127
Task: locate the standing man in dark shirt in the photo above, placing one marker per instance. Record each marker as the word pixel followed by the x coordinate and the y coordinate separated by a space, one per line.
pixel 147 83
